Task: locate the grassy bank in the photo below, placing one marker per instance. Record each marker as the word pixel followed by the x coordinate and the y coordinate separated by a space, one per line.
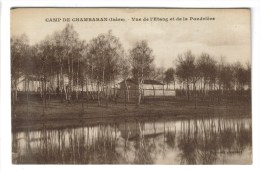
pixel 34 113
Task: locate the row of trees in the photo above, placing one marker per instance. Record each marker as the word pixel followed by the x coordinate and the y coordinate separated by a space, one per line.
pixel 208 74
pixel 63 56
pixel 72 63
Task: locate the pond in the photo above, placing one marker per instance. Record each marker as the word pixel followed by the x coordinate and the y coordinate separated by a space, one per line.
pixel 168 141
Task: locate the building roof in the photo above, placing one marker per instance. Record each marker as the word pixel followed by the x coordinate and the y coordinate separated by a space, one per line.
pixel 153 82
pixel 33 78
pixel 146 81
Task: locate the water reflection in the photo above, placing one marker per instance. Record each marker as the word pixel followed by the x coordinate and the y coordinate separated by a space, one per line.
pixel 197 141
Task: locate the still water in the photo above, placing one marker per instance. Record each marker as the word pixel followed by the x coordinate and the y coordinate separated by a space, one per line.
pixel 197 141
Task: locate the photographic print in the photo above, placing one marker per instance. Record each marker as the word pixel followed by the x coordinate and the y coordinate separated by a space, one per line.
pixel 131 86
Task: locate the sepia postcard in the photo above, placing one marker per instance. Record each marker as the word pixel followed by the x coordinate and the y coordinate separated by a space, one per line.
pixel 131 86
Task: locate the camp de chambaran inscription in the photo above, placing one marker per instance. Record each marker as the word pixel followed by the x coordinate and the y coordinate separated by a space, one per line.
pixel 152 19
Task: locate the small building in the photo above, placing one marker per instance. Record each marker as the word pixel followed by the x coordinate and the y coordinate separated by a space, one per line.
pixel 149 88
pixel 34 83
pixel 147 84
pixel 31 83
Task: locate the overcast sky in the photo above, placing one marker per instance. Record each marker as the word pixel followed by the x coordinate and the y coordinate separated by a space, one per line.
pixel 228 35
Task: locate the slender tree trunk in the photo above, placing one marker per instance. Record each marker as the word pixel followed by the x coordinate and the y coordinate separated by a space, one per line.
pixel 140 92
pixel 82 97
pixel 42 95
pixel 92 84
pixel 14 91
pixel 66 93
pixel 102 84
pixel 49 93
pixel 114 90
pixel 201 88
pixel 107 95
pixel 77 94
pixel 69 85
pixel 98 96
pixel 72 78
pixel 188 90
pixel 51 83
pixel 58 84
pixel 45 92
pixel 125 92
pixel 195 94
pixel 184 91
pixel 15 95
pixel 153 91
pixel 204 87
pixel 92 87
pixel 87 91
pixel 62 82
pixel 219 92
pixel 163 93
pixel 27 94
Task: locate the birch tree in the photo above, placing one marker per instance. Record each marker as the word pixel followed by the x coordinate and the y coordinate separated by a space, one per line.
pixel 69 40
pixel 206 66
pixel 19 52
pixel 105 51
pixel 125 72
pixel 141 61
pixel 169 76
pixel 185 69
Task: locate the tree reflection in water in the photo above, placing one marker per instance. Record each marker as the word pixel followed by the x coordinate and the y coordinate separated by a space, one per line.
pixel 198 141
pixel 201 141
pixel 143 147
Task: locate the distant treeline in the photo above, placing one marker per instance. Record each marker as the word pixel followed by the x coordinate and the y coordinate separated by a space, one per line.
pixel 102 62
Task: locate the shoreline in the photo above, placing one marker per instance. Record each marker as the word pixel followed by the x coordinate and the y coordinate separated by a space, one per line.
pixel 33 114
pixel 114 114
